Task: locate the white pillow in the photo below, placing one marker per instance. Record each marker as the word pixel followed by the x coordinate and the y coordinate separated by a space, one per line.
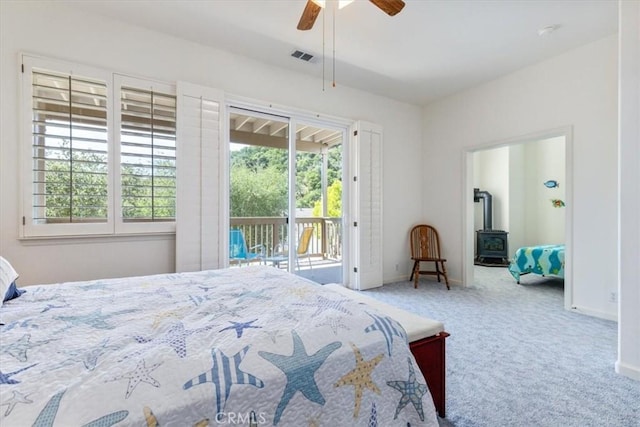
pixel 7 277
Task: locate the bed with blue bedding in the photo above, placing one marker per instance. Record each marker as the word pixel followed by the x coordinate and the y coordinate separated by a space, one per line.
pixel 544 260
pixel 242 346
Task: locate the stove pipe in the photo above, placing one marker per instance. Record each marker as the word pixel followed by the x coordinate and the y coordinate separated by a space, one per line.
pixel 487 206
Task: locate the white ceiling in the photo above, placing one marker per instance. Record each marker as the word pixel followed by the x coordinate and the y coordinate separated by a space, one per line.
pixel 431 49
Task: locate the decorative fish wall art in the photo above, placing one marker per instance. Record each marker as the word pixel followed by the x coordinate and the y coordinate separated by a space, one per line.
pixel 552 184
pixel 557 203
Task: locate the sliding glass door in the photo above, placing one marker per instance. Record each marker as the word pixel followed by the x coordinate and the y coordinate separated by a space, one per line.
pixel 289 221
pixel 258 186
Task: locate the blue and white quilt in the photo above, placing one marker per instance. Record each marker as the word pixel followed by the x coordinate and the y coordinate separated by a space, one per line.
pixel 546 260
pixel 244 346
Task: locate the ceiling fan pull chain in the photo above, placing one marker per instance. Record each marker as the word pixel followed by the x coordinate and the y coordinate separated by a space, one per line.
pixel 334 43
pixel 324 38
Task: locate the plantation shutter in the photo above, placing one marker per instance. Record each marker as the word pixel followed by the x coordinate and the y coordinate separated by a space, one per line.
pixel 199 181
pixel 367 198
pixel 147 155
pixel 68 177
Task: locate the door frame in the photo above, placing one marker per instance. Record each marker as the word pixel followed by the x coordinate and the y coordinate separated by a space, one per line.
pixel 468 233
pixel 295 117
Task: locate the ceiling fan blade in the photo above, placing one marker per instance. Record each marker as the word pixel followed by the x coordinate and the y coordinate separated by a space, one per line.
pixel 309 15
pixel 390 7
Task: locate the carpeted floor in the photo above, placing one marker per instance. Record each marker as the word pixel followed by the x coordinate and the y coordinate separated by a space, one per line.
pixel 515 357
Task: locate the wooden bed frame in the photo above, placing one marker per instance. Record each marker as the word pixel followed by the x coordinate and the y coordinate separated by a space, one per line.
pixel 430 355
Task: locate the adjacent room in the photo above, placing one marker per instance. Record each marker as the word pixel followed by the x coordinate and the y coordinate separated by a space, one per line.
pixel 206 206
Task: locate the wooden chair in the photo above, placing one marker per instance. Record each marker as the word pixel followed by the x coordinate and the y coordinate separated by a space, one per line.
pixel 425 247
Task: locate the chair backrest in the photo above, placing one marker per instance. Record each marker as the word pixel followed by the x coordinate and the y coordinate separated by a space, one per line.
pixel 237 244
pixel 425 242
pixel 305 239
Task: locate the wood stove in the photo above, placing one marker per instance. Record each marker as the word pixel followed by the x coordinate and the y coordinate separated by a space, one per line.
pixel 492 246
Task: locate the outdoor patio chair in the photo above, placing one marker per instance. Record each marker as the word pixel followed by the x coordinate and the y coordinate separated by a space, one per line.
pixel 238 250
pixel 302 250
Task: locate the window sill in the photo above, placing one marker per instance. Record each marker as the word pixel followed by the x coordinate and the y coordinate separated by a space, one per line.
pixel 74 239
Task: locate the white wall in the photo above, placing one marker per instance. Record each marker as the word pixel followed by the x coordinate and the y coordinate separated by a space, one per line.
pixel 55 31
pixel 577 89
pixel 517 197
pixel 544 160
pixel 628 362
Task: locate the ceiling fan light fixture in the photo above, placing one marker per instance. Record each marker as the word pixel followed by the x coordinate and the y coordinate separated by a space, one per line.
pixel 341 3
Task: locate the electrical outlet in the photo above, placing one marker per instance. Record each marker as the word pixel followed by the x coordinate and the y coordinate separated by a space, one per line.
pixel 613 296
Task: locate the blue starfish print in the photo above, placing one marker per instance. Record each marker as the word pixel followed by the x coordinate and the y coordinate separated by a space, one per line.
pixel 224 373
pixel 240 327
pixel 95 320
pixel 176 337
pixel 89 356
pixel 48 414
pixel 26 323
pixel 299 369
pixel 197 299
pixel 412 391
pixel 373 418
pixel 388 327
pixel 322 303
pixel 19 348
pixel 6 378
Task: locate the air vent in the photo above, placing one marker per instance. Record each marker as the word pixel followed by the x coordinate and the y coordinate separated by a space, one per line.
pixel 303 56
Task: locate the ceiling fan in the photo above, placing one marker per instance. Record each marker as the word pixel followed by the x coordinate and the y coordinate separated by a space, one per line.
pixel 313 7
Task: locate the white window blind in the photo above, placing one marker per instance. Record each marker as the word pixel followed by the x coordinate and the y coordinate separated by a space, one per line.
pixel 69 149
pixel 147 155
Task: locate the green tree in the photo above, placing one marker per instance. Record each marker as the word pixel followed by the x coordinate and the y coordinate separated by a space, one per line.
pixel 258 160
pixel 334 201
pixel 75 185
pixel 261 192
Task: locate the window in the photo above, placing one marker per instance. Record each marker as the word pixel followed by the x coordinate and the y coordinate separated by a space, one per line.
pixel 147 152
pixel 101 152
pixel 69 149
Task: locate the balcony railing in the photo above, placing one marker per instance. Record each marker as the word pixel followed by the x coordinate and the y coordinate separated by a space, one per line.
pixel 272 233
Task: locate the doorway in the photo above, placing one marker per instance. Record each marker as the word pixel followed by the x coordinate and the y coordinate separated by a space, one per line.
pixel 285 193
pixel 520 174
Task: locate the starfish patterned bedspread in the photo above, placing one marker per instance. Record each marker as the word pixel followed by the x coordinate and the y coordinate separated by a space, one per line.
pixel 242 346
pixel 546 260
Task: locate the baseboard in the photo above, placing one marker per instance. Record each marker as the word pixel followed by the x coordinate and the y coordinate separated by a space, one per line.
pixel 632 372
pixel 397 279
pixel 595 313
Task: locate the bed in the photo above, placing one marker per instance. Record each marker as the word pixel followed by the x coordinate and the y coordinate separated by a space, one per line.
pixel 242 346
pixel 545 260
